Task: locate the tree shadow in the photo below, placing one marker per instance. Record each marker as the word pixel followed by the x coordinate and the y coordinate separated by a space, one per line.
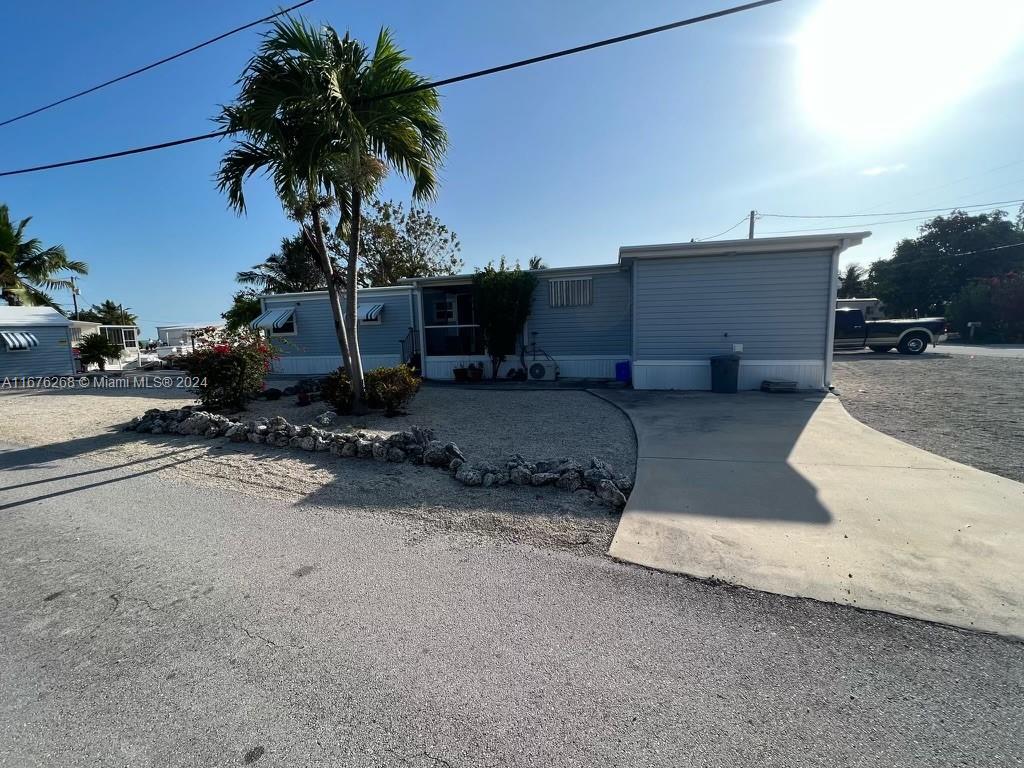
pixel 13 459
pixel 722 456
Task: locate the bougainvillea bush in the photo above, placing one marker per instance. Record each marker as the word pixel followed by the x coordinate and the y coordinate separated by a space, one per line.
pixel 229 369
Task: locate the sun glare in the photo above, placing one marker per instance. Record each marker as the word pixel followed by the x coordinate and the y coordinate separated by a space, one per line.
pixel 876 70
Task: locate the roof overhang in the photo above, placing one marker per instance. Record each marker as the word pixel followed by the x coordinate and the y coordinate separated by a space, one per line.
pixel 323 294
pixel 585 269
pixel 801 243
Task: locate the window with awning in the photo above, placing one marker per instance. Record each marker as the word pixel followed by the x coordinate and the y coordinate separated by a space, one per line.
pixel 371 313
pixel 18 340
pixel 276 320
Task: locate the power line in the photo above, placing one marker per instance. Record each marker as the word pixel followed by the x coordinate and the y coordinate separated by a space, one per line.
pixel 938 256
pixel 725 232
pixel 843 226
pixel 427 86
pixel 154 65
pixel 889 213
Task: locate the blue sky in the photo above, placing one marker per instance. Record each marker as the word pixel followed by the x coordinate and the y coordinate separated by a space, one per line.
pixel 659 140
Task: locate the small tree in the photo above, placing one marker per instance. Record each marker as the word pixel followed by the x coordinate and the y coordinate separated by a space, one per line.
pixel 502 297
pixel 96 349
pixel 245 307
pixel 108 313
pixel 851 281
pixel 395 244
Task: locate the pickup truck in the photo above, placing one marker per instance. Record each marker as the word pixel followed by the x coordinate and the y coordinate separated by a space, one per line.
pixel 910 337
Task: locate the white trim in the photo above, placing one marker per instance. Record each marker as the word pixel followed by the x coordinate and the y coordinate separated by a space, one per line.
pixel 379 289
pixel 830 321
pixel 586 269
pixel 696 374
pixel 305 365
pixel 795 243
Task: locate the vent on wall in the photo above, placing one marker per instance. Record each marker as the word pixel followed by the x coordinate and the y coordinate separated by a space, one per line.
pixel 570 292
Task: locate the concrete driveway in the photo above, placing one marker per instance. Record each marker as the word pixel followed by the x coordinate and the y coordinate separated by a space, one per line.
pixel 790 494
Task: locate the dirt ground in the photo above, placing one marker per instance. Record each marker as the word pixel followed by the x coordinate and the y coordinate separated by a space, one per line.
pixel 966 408
pixel 486 425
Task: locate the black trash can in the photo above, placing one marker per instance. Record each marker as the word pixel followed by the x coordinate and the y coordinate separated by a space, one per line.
pixel 725 373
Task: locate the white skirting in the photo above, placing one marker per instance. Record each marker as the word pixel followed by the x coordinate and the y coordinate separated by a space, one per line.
pixel 306 365
pixel 696 374
pixel 569 367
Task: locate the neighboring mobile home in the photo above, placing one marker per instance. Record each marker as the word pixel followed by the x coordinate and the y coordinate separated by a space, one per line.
pixel 665 309
pixel 181 335
pixel 34 341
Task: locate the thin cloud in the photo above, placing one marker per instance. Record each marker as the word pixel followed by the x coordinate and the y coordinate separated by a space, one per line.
pixel 878 170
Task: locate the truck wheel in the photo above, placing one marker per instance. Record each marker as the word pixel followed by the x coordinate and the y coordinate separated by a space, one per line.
pixel 880 349
pixel 913 344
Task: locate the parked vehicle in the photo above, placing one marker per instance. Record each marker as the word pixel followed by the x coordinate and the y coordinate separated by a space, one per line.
pixel 909 337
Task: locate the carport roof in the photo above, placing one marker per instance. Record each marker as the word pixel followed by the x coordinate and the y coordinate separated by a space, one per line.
pixel 30 316
pixel 756 245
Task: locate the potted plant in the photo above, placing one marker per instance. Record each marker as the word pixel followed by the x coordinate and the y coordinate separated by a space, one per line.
pixel 461 373
pixel 475 372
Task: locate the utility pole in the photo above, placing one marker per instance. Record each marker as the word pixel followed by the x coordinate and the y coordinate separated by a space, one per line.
pixel 750 231
pixel 74 295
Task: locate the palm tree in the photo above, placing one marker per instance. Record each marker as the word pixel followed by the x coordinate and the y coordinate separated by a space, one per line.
pixel 851 281
pixel 295 268
pixel 108 312
pixel 325 118
pixel 537 262
pixel 27 269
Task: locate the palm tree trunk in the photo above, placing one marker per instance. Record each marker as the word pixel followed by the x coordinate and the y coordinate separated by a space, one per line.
pixel 352 306
pixel 316 239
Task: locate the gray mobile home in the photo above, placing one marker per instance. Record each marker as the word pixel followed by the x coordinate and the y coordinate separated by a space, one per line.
pixel 664 309
pixel 34 341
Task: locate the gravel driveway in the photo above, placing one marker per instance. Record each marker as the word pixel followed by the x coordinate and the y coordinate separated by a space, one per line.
pixel 487 425
pixel 966 408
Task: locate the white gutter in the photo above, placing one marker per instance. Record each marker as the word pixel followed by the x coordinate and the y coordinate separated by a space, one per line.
pixel 833 292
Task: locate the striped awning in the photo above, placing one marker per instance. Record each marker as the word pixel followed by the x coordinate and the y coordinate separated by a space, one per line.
pixel 370 313
pixel 19 339
pixel 273 319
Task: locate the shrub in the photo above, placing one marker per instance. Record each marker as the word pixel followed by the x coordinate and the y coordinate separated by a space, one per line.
pixel 96 349
pixel 336 389
pixel 501 297
pixel 391 388
pixel 995 302
pixel 387 388
pixel 230 371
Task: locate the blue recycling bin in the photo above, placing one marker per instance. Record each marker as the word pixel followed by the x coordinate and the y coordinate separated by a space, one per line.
pixel 622 371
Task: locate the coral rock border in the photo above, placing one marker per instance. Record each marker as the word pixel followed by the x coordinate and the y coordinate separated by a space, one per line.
pixel 417 445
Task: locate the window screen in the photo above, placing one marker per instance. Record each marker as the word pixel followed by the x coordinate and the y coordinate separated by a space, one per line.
pixel 570 292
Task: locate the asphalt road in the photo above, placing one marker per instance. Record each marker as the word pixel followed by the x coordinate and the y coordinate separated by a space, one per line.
pixel 148 623
pixel 978 350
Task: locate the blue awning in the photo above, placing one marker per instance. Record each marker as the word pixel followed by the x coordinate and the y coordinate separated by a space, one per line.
pixel 19 339
pixel 370 313
pixel 273 319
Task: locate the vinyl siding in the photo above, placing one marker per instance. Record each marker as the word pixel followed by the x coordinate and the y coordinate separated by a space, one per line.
pixel 315 326
pixel 775 305
pixel 50 358
pixel 600 328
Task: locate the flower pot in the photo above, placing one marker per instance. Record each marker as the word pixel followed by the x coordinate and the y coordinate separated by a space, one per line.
pixel 476 374
pixel 461 374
